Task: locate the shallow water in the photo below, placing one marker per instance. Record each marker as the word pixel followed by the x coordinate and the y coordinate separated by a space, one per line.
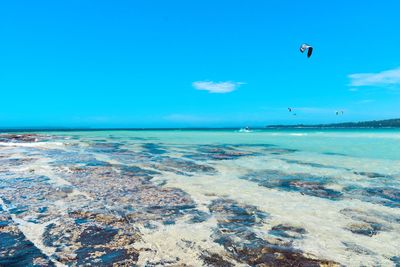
pixel 212 198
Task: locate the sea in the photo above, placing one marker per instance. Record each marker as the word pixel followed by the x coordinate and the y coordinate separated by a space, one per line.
pixel 200 197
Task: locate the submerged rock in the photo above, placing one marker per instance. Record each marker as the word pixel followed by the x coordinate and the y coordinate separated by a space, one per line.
pixel 396 260
pixel 213 259
pixel 386 196
pixel 351 246
pixel 364 228
pixel 153 149
pixel 21 138
pixel 303 183
pixel 365 222
pixel 311 164
pixel 88 238
pixel 281 151
pixel 15 248
pixel 236 232
pixel 182 166
pixel 217 152
pixel 371 174
pixel 287 231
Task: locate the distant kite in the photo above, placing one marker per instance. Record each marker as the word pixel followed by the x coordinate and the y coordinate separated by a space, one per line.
pixel 290 109
pixel 304 47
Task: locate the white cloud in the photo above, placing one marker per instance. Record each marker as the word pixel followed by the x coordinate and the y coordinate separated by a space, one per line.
pixel 383 78
pixel 216 87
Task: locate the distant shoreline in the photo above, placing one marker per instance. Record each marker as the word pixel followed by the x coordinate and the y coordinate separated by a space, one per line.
pixel 376 124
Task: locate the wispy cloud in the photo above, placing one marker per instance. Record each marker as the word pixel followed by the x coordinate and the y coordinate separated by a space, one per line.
pixel 383 78
pixel 217 87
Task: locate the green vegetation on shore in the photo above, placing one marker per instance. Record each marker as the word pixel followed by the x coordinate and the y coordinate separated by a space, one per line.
pixel 392 123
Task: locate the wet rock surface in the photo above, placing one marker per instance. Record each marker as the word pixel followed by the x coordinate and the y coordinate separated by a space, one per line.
pixel 182 166
pixel 395 260
pixel 89 238
pixel 358 249
pixel 213 259
pixel 236 233
pixel 302 183
pixel 311 164
pixel 287 231
pixel 15 248
pixel 218 152
pixel 21 138
pixel 387 196
pixel 368 223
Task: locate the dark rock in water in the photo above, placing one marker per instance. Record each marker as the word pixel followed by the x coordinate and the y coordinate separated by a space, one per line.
pixel 182 166
pixel 136 171
pixel 199 217
pixel 313 189
pixel 13 162
pixel 396 261
pixel 108 147
pixel 217 152
pixel 387 196
pixel 235 232
pixel 213 259
pixel 281 151
pixel 95 235
pixel 311 164
pixel 368 229
pixel 303 183
pixel 95 162
pixel 21 138
pixel 95 239
pixel 150 226
pixel 351 246
pixel 15 249
pixel 153 149
pixel 168 222
pixel 123 185
pixel 287 231
pixel 334 154
pixel 61 157
pixel 18 210
pixel 238 216
pixel 366 223
pixel 371 174
pixel 391 194
pixel 89 256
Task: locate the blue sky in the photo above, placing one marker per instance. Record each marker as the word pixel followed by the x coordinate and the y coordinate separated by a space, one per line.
pixel 197 63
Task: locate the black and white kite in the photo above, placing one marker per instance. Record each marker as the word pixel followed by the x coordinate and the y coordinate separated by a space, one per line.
pixel 304 47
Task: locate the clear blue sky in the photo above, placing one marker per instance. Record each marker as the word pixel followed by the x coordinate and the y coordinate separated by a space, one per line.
pixel 141 63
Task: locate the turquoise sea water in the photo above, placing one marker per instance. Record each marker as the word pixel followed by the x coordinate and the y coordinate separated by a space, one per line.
pixel 202 197
pixel 368 143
